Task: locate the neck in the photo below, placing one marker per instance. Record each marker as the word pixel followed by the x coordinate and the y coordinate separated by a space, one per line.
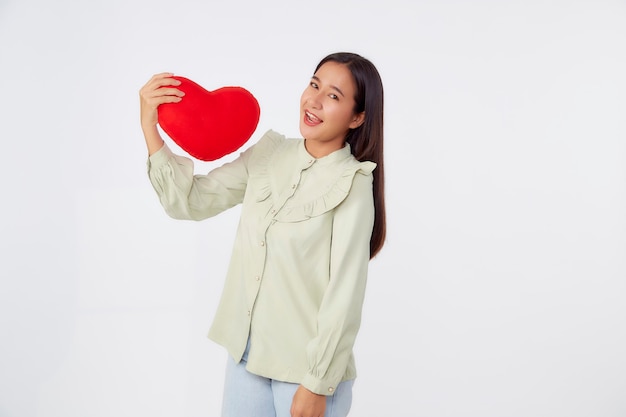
pixel 320 150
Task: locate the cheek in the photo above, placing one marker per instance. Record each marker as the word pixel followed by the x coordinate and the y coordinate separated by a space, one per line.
pixel 343 113
pixel 304 97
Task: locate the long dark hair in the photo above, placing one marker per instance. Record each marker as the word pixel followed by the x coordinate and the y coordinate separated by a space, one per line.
pixel 366 141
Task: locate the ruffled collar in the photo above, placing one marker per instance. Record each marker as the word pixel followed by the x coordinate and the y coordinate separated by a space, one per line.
pixel 342 167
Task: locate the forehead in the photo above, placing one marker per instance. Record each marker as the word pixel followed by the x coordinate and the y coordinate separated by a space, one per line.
pixel 337 75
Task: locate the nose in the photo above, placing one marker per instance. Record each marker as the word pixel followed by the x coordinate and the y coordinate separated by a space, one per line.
pixel 314 100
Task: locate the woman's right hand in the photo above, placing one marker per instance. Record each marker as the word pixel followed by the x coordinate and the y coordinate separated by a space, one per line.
pixel 161 88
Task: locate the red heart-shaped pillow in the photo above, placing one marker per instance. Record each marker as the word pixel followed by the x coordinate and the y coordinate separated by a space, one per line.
pixel 210 124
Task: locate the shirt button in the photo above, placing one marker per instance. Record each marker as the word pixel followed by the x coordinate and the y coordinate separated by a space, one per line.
pixel 273 211
pixel 331 389
pixel 310 161
pixel 293 186
pixel 257 278
pixel 262 243
pixel 248 312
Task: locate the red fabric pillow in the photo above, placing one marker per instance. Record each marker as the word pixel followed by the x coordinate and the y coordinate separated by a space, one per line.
pixel 210 124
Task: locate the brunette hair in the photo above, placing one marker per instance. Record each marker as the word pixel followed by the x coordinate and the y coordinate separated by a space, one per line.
pixel 366 141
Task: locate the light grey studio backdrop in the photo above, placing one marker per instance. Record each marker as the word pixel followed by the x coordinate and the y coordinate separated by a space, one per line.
pixel 500 292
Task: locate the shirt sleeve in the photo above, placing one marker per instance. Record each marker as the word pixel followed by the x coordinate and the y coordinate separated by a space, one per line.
pixel 339 317
pixel 186 196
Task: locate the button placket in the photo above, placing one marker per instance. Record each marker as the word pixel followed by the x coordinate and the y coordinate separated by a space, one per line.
pixel 257 277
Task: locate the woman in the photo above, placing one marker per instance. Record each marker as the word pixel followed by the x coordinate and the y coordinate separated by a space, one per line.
pixel 312 216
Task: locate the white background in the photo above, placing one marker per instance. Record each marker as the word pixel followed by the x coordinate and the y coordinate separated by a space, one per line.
pixel 500 291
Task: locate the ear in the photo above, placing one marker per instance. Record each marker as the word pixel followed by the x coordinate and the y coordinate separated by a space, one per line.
pixel 358 120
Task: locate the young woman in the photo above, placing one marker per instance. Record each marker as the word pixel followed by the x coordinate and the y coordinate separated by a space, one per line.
pixel 312 216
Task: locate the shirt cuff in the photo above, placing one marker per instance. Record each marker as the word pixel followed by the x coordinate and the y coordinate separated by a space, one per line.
pixel 318 386
pixel 160 157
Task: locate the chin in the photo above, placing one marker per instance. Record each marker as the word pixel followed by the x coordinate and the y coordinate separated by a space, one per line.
pixel 305 131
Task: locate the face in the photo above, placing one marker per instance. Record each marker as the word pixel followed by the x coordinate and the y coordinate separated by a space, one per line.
pixel 327 109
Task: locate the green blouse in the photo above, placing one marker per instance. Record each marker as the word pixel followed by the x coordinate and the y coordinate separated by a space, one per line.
pixel 296 279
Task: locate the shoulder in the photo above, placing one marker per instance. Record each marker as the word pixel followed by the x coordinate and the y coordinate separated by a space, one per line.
pixel 353 171
pixel 271 145
pixel 357 178
pixel 271 137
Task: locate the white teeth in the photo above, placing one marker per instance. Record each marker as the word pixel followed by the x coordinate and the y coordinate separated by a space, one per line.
pixel 312 117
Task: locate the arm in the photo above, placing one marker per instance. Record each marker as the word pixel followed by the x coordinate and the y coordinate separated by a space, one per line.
pixel 339 316
pixel 183 194
pixel 186 196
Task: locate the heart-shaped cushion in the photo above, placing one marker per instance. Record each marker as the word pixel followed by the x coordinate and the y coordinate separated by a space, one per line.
pixel 210 124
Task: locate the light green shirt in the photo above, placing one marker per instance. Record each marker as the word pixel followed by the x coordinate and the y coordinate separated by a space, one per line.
pixel 296 280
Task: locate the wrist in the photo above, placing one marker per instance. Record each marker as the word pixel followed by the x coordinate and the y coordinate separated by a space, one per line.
pixel 311 392
pixel 149 127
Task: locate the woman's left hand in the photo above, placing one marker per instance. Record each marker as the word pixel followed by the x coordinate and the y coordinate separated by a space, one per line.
pixel 307 404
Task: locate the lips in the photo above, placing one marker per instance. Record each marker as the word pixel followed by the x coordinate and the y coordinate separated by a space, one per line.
pixel 310 119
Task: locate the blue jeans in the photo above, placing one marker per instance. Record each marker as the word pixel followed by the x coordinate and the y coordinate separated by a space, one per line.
pixel 249 395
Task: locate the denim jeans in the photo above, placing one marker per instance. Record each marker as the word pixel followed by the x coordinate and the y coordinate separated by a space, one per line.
pixel 249 395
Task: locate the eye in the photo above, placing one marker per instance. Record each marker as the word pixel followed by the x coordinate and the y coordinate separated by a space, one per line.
pixel 333 96
pixel 314 85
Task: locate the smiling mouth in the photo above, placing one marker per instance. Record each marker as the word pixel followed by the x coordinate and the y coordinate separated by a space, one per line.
pixel 311 119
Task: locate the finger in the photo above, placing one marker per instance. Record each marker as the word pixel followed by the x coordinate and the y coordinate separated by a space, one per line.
pixel 164 82
pixel 166 91
pixel 157 101
pixel 172 91
pixel 165 99
pixel 163 79
pixel 154 97
pixel 161 76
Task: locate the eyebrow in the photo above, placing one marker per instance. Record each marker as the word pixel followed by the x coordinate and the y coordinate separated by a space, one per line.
pixel 332 86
